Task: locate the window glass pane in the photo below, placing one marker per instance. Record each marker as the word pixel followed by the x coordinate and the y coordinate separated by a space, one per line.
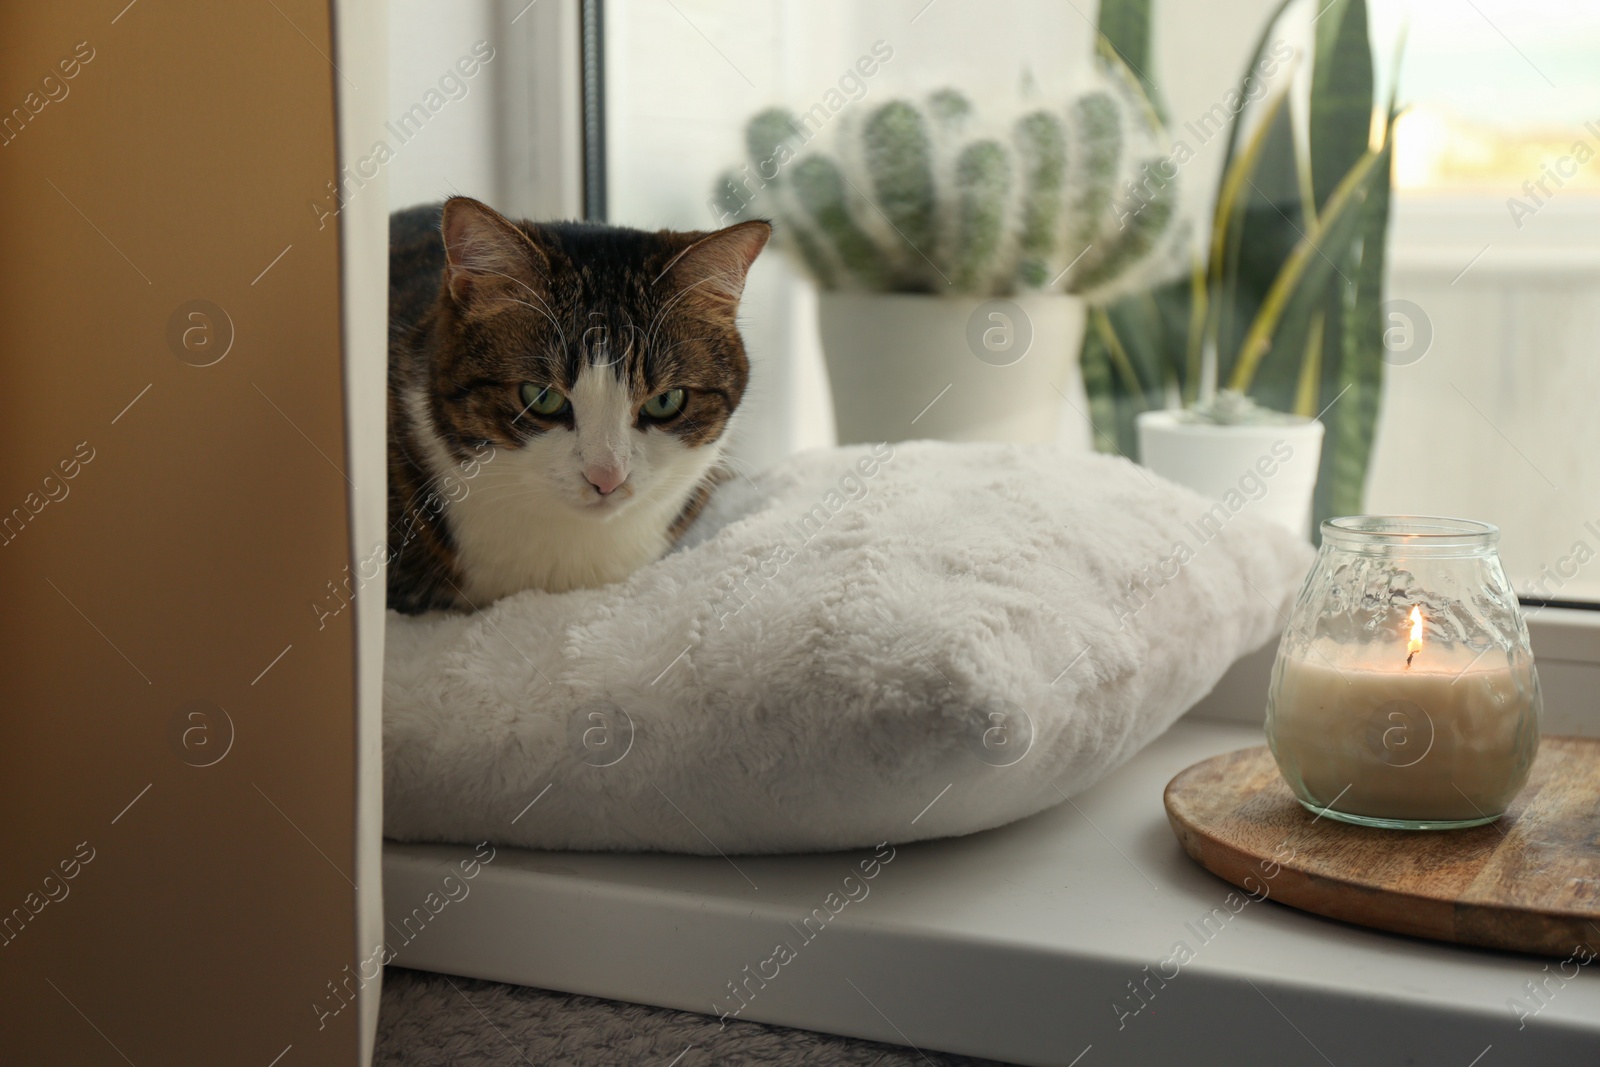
pixel 1496 89
pixel 1494 285
pixel 1489 406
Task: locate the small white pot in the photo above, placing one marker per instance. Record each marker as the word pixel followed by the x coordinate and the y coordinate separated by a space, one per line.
pixel 911 365
pixel 1268 470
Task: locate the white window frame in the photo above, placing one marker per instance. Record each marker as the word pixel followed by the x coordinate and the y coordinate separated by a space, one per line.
pixel 541 118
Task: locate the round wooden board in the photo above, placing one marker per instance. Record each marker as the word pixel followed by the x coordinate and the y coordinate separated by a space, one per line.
pixel 1527 883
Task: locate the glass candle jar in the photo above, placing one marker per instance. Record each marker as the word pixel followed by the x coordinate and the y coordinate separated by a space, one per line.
pixel 1404 693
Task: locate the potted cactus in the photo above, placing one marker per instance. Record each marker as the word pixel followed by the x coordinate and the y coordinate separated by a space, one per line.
pixel 954 250
pixel 1277 336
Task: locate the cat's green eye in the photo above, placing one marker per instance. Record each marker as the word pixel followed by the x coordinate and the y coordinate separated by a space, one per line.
pixel 543 400
pixel 666 405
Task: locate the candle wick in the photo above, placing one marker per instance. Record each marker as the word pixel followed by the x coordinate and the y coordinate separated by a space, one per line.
pixel 1409 657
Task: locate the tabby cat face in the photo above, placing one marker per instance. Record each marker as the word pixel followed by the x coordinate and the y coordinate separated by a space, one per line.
pixel 603 364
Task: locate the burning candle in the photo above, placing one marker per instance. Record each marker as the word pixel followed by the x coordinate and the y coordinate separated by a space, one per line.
pixel 1385 714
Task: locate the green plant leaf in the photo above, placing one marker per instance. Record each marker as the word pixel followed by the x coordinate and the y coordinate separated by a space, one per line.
pixel 1194 333
pixel 1341 95
pixel 1353 398
pixel 1278 375
pixel 1132 350
pixel 1309 387
pixel 1307 271
pixel 1261 226
pixel 1112 385
pixel 1351 408
pixel 1106 400
pixel 1274 222
pixel 1125 27
pixel 1252 76
pixel 1128 377
pixel 1230 190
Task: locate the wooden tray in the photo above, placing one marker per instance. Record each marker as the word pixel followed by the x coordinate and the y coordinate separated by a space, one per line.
pixel 1527 883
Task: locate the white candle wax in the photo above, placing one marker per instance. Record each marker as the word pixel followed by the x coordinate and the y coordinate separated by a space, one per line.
pixel 1445 739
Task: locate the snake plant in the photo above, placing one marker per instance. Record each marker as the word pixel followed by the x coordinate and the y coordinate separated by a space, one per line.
pixel 1285 304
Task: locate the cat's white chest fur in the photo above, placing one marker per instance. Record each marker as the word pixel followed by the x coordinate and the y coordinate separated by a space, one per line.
pixel 520 520
pixel 507 545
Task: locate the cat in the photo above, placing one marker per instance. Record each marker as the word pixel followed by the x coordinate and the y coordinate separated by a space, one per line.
pixel 558 397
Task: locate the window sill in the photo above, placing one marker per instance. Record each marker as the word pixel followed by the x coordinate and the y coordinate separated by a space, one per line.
pixel 1444 234
pixel 1018 944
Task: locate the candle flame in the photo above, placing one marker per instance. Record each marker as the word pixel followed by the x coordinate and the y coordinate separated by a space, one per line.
pixel 1414 645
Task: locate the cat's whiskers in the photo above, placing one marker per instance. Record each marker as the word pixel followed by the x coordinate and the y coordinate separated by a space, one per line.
pixel 431 481
pixel 429 477
pixel 730 466
pixel 512 484
pixel 560 334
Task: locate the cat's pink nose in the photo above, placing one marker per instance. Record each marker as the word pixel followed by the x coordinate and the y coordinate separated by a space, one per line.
pixel 605 479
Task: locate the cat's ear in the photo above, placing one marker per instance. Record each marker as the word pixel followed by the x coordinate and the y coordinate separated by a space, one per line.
pixel 485 253
pixel 715 265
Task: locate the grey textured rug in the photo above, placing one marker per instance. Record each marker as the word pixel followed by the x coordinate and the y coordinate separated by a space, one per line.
pixel 430 1019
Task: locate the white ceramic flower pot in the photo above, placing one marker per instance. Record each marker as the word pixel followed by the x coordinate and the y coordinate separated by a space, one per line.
pixel 1268 470
pixel 910 365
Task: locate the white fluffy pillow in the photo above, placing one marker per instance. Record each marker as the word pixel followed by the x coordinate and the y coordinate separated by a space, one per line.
pixel 856 635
